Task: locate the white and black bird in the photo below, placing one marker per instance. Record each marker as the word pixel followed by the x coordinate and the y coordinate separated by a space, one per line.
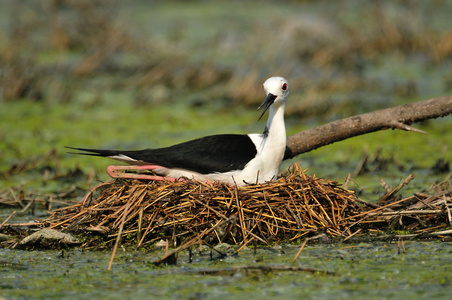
pixel 232 158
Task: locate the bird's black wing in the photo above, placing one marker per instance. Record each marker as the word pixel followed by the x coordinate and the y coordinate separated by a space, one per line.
pixel 215 153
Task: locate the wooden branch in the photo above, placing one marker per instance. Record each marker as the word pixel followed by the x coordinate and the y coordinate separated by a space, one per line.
pixel 399 117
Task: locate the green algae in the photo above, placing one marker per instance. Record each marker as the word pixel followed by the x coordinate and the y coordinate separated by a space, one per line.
pixel 369 270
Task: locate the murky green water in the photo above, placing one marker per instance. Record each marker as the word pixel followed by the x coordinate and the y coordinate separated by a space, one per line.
pixel 362 271
pixel 402 57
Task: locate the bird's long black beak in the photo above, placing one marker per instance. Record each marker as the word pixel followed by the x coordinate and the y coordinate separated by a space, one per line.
pixel 268 102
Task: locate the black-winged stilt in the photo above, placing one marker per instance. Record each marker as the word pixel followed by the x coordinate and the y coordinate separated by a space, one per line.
pixel 232 158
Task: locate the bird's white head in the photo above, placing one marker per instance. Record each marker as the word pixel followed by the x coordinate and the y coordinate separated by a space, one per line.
pixel 277 90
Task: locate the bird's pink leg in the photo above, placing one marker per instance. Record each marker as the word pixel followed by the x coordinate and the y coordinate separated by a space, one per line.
pixel 133 172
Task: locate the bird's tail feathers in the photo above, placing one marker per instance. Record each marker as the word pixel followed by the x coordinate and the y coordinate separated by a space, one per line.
pixel 94 152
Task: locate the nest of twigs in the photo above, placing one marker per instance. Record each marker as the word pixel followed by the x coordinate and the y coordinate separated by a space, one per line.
pixel 294 206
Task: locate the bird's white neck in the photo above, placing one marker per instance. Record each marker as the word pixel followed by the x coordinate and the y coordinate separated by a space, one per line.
pixel 271 146
pixel 275 130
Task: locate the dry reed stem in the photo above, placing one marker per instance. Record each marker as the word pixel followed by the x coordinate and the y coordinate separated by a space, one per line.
pixel 7 219
pixel 119 235
pixel 299 251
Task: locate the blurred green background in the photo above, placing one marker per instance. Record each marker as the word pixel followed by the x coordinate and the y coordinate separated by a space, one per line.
pixel 142 74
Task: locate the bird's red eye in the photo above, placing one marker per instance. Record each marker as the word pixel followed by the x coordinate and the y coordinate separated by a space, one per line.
pixel 284 86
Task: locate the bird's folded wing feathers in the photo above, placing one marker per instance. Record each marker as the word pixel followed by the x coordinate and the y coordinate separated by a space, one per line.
pixel 210 154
